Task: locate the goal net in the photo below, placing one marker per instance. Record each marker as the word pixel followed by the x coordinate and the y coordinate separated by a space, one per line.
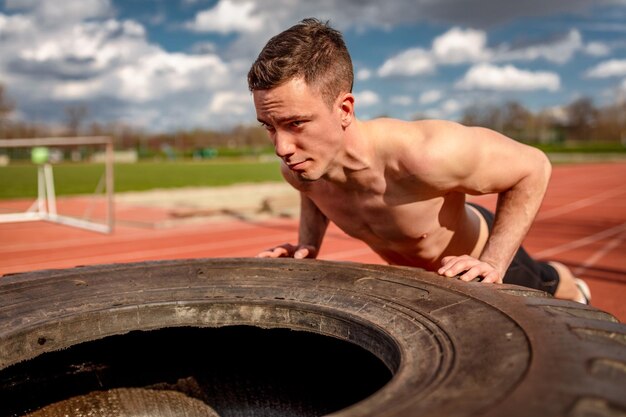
pixel 92 211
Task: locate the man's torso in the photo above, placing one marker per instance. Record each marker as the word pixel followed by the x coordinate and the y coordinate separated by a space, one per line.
pixel 404 223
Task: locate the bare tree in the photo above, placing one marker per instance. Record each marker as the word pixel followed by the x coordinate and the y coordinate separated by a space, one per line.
pixel 582 117
pixel 75 115
pixel 6 108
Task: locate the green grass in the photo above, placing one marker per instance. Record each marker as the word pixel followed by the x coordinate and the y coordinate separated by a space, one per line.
pixel 18 181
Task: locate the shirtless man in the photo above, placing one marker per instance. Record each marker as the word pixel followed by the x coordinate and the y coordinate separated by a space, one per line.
pixel 398 186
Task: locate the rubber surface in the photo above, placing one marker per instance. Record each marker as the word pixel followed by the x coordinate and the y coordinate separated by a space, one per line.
pixel 454 348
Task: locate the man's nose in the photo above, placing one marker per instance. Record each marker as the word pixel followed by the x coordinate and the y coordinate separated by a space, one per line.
pixel 284 145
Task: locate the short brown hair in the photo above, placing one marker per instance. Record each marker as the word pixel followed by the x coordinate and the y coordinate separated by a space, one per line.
pixel 310 49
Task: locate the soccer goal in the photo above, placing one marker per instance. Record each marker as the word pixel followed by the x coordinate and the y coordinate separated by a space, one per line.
pixel 45 206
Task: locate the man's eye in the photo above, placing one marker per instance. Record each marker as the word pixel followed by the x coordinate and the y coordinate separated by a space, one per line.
pixel 297 123
pixel 267 127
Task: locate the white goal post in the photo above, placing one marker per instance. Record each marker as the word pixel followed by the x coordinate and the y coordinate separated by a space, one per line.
pixel 45 208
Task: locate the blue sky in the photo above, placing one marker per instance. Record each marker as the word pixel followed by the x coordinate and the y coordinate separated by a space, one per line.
pixel 182 64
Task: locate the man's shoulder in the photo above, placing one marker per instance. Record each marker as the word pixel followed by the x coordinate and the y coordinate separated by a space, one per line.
pixel 414 128
pixel 398 137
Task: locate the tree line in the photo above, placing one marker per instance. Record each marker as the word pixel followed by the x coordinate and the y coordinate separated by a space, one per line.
pixel 579 121
pixel 242 138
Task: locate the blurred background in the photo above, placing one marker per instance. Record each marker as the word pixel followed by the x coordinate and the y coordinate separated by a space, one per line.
pixel 167 79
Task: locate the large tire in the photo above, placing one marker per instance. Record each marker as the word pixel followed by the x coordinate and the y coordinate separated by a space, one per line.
pixel 452 348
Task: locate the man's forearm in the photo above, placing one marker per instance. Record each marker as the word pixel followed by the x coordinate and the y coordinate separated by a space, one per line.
pixel 313 224
pixel 509 230
pixel 515 213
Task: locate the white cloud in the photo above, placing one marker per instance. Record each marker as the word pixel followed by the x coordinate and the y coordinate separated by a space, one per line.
pixel 228 16
pixel 450 106
pixel 507 78
pixel 62 12
pixel 161 74
pixel 15 25
pixel 111 67
pixel 83 49
pixel 366 98
pixel 77 90
pixel 559 50
pixel 411 62
pixel 363 14
pixel 430 96
pixel 457 46
pixel 597 49
pixel 447 109
pixel 78 50
pixel 230 102
pixel 401 100
pixel 363 74
pixel 611 68
pixel 203 48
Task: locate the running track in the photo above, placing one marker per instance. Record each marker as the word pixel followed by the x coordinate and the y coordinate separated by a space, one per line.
pixel 582 223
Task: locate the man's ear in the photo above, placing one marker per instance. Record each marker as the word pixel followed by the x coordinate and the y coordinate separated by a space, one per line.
pixel 346 106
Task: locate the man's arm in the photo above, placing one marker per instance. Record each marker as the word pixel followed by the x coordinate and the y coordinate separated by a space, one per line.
pixel 313 224
pixel 481 161
pixel 515 211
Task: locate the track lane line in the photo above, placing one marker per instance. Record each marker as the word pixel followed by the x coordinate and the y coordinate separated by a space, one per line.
pixel 600 253
pixel 574 244
pixel 585 202
pixel 158 253
pixel 128 236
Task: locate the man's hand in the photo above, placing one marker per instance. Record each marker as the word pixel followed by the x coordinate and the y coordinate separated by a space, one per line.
pixel 470 268
pixel 288 250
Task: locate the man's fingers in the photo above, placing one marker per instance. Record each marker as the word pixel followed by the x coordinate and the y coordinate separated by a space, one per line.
pixel 289 250
pixel 274 253
pixel 447 259
pixel 492 277
pixel 301 253
pixel 483 273
pixel 454 265
pixel 468 269
pixel 474 273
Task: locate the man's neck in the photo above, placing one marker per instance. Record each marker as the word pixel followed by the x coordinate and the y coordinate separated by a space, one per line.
pixel 357 158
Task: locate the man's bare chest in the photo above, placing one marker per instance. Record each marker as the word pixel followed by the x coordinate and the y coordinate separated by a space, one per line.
pixel 387 215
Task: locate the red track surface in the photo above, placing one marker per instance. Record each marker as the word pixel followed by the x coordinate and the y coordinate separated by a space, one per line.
pixel 582 223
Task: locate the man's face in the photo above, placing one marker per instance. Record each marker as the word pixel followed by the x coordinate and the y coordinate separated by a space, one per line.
pixel 306 133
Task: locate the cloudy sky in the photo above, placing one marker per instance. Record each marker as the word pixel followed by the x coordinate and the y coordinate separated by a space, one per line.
pixel 178 64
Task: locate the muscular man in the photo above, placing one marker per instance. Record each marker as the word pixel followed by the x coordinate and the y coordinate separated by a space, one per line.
pixel 398 186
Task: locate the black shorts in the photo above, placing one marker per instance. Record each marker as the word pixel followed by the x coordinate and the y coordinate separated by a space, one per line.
pixel 524 270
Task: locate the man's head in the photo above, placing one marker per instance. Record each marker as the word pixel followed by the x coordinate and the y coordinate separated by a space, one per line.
pixel 310 50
